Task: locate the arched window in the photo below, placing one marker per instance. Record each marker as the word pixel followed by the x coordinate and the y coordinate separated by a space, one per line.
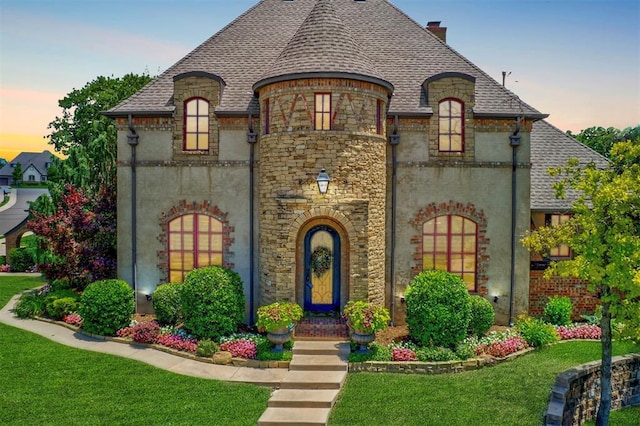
pixel 450 126
pixel 195 241
pixel 450 243
pixel 196 125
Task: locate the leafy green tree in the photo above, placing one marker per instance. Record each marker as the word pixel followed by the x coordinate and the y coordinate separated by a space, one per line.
pixel 78 222
pixel 602 140
pixel 16 174
pixel 604 235
pixel 86 137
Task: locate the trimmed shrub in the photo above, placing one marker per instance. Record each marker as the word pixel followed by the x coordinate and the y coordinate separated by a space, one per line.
pixel 207 348
pixel 167 303
pixel 438 309
pixel 482 316
pixel 212 302
pixel 536 332
pixel 558 310
pixel 62 307
pixel 20 259
pixel 29 305
pixel 61 284
pixel 106 306
pixel 435 354
pixel 60 311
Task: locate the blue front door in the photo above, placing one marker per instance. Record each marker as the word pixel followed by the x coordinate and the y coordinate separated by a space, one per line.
pixel 322 270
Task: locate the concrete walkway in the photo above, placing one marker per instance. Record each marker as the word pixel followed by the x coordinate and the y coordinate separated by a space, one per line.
pixel 305 393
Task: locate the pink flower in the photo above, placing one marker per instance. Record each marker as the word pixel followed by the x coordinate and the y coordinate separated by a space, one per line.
pixel 73 319
pixel 240 348
pixel 403 354
pixel 585 331
pixel 502 348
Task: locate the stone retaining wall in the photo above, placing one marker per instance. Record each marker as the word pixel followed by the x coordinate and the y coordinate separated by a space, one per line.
pixel 576 394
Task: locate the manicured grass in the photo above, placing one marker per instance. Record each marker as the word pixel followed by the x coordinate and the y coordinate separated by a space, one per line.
pixel 512 393
pixel 43 382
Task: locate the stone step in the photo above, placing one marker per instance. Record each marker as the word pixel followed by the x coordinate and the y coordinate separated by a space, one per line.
pixel 334 362
pixel 294 416
pixel 313 379
pixel 330 347
pixel 304 398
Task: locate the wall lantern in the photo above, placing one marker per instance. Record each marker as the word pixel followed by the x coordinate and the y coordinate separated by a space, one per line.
pixel 323 181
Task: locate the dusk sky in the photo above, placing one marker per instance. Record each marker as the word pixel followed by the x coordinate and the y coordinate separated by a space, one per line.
pixel 576 60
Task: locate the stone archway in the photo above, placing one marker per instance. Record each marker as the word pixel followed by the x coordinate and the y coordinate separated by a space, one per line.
pixel 12 238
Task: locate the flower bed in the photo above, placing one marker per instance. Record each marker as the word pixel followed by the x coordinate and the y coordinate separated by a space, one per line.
pixel 582 331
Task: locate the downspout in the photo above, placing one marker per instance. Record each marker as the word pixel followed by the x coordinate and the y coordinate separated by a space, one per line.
pixel 514 141
pixel 251 139
pixel 132 140
pixel 394 140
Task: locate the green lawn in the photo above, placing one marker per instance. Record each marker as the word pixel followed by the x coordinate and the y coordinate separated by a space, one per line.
pixel 43 382
pixel 512 393
pixel 46 383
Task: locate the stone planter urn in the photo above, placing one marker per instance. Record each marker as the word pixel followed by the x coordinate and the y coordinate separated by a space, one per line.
pixel 278 337
pixel 363 339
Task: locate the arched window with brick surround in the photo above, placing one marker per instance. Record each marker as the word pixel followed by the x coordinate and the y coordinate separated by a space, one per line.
pixel 450 244
pixel 452 236
pixel 196 125
pixel 195 241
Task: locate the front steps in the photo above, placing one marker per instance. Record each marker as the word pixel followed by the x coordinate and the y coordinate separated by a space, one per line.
pixel 321 329
pixel 312 385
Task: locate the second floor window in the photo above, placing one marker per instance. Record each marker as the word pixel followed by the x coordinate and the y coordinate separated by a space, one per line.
pixel 196 125
pixel 322 111
pixel 450 126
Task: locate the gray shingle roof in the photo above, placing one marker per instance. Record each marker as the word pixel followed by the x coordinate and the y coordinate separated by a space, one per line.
pixel 389 45
pixel 551 147
pixel 322 45
pixel 39 160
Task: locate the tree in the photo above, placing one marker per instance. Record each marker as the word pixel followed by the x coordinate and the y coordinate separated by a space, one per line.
pixel 81 235
pixel 78 222
pixel 16 174
pixel 604 235
pixel 86 137
pixel 601 140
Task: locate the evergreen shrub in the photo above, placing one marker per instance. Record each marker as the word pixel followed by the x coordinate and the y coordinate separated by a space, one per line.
pixel 106 306
pixel 212 302
pixel 558 310
pixel 167 303
pixel 482 316
pixel 20 259
pixel 536 332
pixel 438 309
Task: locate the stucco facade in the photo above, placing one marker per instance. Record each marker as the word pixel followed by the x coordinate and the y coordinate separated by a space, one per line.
pixel 230 141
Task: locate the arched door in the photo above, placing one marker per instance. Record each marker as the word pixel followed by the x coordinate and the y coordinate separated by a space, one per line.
pixel 322 269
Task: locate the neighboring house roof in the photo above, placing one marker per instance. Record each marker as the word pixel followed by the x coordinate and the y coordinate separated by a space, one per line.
pixel 371 38
pixel 39 160
pixel 551 147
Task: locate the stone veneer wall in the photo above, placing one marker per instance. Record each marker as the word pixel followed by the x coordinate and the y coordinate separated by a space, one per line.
pixel 541 289
pixel 291 155
pixel 576 394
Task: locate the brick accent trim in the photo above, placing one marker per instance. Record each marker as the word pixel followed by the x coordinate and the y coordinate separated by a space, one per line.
pixel 184 207
pixel 468 211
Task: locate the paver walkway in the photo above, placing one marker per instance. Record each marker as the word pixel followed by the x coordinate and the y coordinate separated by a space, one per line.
pixel 312 385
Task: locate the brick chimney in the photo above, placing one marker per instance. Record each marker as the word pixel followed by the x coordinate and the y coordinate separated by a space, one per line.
pixel 437 30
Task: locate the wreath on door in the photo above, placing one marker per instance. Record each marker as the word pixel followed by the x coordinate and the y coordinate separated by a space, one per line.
pixel 321 259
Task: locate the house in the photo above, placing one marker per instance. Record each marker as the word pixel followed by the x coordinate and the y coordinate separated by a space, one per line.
pixel 327 151
pixel 34 167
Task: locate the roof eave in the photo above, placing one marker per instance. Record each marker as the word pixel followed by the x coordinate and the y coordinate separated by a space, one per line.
pixel 322 74
pixel 527 115
pixel 147 113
